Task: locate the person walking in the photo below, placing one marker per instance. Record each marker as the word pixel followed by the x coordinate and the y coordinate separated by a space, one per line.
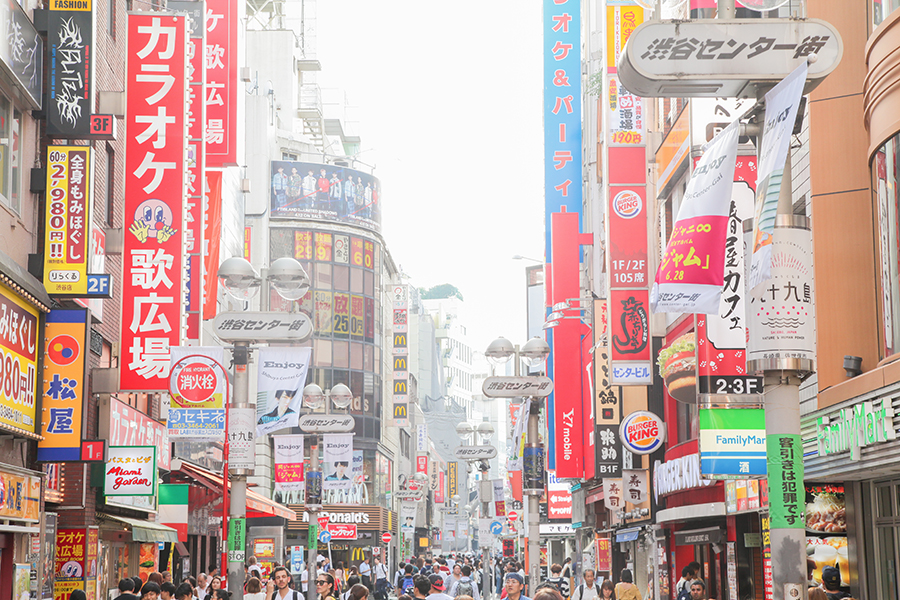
pixel 282 591
pixel 325 587
pixel 365 573
pixel 625 589
pixel 381 580
pixel 590 589
pixel 558 580
pixel 514 584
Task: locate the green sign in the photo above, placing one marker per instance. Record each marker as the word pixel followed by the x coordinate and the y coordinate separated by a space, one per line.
pixel 732 443
pixel 237 539
pixel 313 535
pixel 851 429
pixel 787 496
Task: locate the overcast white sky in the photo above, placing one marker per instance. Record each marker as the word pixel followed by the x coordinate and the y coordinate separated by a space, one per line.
pixel 449 101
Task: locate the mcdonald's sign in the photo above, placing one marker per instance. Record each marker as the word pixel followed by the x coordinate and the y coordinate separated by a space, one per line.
pixel 400 353
pixel 358 554
pixel 401 343
pixel 400 364
pixel 400 411
pixel 400 387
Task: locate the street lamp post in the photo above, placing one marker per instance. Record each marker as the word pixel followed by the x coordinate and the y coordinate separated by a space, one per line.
pixel 241 281
pixel 533 353
pixel 484 432
pixel 313 399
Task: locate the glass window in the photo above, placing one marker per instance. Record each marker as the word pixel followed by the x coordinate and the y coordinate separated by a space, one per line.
pixel 368 360
pixel 342 354
pixel 356 281
pixel 356 355
pixel 322 353
pixel 341 278
pixel 882 8
pixel 885 173
pixel 369 283
pixel 323 276
pixel 10 154
pixel 109 183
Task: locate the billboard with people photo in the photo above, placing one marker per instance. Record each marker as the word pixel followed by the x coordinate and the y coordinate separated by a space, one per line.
pixel 302 190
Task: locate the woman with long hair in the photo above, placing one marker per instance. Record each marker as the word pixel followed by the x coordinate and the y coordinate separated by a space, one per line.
pixel 607 590
pixel 325 586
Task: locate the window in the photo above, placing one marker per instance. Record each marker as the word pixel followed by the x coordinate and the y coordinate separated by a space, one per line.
pixel 885 174
pixel 10 154
pixel 111 18
pixel 404 443
pixel 109 184
pixel 881 9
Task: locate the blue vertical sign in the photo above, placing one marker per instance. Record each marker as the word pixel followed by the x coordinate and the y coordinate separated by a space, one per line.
pixel 562 137
pixel 562 110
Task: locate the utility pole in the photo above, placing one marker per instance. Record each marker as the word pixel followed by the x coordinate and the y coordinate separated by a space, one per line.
pixel 485 550
pixel 237 513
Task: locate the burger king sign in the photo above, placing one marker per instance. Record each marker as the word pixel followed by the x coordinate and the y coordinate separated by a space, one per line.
pixel 642 432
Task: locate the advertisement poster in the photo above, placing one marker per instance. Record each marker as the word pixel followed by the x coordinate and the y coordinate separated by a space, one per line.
pixel 782 103
pixel 130 471
pixel 282 377
pixel 67 219
pixel 197 392
pixel 288 463
pixel 626 115
pixel 768 576
pixel 70 62
pixel 301 190
pixel 148 560
pixel 629 337
pixel 604 554
pixel 64 384
pixel 19 347
pixel 692 269
pixel 826 530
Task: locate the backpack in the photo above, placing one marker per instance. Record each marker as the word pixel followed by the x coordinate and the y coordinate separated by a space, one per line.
pixel 464 588
pixel 684 594
pixel 580 591
pixel 294 595
pixel 407 584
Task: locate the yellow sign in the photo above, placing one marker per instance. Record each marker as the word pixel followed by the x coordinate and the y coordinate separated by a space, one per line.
pixel 67 219
pixel 620 22
pixel 423 542
pixel 18 351
pixel 62 399
pixel 62 589
pixel 79 5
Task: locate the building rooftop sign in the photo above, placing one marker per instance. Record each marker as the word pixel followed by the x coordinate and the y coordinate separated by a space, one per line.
pixel 725 59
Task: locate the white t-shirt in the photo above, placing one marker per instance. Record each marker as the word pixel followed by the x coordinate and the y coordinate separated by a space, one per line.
pixel 587 593
pixel 381 571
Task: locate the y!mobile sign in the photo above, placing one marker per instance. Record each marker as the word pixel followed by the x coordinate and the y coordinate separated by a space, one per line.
pixel 562 109
pixel 153 256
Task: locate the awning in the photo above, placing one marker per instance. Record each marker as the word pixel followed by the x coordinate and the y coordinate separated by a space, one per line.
pixel 695 537
pixel 628 535
pixel 182 551
pixel 145 531
pixel 257 504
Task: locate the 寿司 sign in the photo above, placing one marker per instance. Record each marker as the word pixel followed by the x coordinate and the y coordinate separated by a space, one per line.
pixel 642 432
pixel 130 471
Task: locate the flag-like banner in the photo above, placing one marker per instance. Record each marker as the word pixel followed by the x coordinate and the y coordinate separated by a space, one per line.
pixel 782 103
pixel 288 463
pixel 282 376
pixel 692 269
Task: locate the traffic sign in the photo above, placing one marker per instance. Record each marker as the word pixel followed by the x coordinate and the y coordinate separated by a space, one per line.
pixel 323 522
pixel 515 387
pixel 325 536
pixel 475 452
pixel 386 537
pixel 512 515
pixel 496 527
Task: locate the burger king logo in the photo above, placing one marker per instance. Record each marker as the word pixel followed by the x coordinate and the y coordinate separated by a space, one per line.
pixel 627 204
pixel 642 432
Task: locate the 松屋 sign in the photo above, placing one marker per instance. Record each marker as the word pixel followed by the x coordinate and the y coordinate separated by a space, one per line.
pixel 857 427
pixel 130 471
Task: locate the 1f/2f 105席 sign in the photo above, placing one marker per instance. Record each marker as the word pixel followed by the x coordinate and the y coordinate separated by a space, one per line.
pixel 725 58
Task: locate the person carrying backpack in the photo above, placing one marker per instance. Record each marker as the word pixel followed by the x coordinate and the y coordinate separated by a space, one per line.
pixel 407 583
pixel 282 592
pixel 561 583
pixel 589 590
pixel 465 586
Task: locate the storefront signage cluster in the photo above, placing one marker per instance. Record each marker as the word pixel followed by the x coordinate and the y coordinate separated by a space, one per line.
pixel 67 220
pixel 607 406
pixel 18 350
pixel 854 428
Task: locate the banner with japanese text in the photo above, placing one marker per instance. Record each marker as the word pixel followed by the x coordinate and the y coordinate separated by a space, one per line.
pixel 288 462
pixel 63 391
pixel 197 392
pixel 19 350
pixel 153 254
pixel 71 56
pixel 691 271
pixel 222 86
pixel 212 241
pixel 282 377
pixel 782 103
pixel 67 220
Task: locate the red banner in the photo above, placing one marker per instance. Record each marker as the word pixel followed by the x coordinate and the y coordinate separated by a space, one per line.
pixel 422 464
pixel 212 239
pixel 629 325
pixel 627 237
pixel 342 531
pixel 194 228
pixel 153 254
pixel 221 82
pixel 587 405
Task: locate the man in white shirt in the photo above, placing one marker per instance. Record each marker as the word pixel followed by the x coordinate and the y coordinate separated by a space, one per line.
pixel 589 590
pixel 365 573
pixel 282 590
pixel 202 585
pixel 381 580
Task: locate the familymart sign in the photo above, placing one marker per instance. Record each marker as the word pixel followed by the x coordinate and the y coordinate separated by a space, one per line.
pixel 859 426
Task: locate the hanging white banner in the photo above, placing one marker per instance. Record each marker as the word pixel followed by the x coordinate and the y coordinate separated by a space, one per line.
pixel 612 493
pixel 422 438
pixel 288 463
pixel 692 270
pixel 408 516
pixel 782 103
pixel 338 447
pixel 636 486
pixel 282 376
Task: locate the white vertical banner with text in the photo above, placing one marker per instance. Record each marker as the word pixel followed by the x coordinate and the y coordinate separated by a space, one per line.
pixel 282 377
